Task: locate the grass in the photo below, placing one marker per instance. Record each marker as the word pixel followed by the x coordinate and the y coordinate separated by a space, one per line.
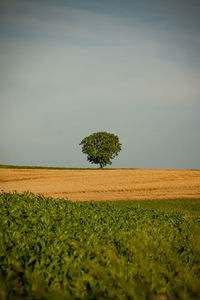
pixel 63 168
pixel 36 167
pixel 59 168
pixel 98 250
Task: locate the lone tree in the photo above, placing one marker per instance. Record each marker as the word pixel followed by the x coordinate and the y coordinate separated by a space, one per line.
pixel 101 147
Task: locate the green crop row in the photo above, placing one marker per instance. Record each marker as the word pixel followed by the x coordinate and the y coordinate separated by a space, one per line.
pixel 57 249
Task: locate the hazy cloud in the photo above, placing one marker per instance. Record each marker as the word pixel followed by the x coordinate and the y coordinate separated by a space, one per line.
pixel 69 69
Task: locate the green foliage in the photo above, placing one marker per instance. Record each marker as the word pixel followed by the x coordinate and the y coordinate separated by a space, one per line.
pixel 57 249
pixel 101 148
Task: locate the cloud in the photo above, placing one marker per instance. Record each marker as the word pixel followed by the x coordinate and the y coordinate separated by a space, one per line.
pixel 67 71
pixel 108 75
pixel 50 20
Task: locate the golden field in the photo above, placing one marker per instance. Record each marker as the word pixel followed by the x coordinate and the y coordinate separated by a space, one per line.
pixel 100 185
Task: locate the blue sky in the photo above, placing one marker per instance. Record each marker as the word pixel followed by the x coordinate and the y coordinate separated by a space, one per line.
pixel 71 68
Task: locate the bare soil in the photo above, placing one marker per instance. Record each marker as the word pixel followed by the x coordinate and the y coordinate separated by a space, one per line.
pixel 100 185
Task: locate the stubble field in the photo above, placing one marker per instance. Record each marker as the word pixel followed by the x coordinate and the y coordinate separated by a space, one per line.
pixel 101 185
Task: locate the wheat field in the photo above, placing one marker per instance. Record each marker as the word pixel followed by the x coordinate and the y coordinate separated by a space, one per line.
pixel 100 185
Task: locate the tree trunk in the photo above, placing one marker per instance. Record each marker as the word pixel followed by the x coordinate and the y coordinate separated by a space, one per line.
pixel 101 166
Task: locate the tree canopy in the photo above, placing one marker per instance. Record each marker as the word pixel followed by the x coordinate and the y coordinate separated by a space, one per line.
pixel 101 147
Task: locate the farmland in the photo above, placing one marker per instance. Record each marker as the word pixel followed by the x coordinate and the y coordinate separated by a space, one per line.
pixel 52 249
pixel 100 185
pixel 61 239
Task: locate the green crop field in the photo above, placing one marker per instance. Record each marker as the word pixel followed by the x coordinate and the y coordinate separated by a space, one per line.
pixel 57 249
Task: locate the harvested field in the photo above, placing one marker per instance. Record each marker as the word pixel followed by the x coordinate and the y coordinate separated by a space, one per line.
pixel 100 185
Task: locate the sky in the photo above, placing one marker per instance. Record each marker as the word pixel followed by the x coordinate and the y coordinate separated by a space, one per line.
pixel 72 68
